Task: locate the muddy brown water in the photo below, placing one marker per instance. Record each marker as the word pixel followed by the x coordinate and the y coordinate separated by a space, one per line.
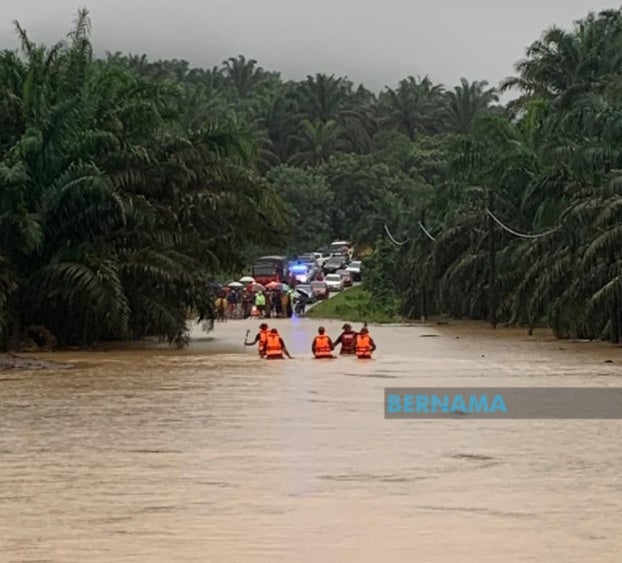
pixel 210 455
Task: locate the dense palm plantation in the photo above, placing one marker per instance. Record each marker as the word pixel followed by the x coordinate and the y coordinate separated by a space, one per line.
pixel 552 173
pixel 127 185
pixel 113 213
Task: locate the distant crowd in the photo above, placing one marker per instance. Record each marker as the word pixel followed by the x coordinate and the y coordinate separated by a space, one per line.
pixel 242 304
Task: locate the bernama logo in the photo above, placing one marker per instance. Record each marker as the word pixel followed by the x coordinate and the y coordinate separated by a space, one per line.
pixel 434 403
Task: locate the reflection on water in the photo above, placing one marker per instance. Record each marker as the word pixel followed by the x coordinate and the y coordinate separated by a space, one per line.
pixel 209 454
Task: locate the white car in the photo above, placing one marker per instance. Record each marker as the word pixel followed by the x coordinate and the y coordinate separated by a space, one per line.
pixel 334 282
pixel 319 258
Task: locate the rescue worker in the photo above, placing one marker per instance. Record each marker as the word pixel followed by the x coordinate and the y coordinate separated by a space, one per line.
pixel 322 345
pixel 364 345
pixel 347 339
pixel 275 347
pixel 260 339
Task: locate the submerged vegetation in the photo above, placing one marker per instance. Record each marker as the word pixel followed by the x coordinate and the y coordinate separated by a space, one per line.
pixel 126 185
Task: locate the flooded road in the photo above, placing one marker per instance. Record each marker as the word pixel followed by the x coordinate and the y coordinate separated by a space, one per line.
pixel 191 456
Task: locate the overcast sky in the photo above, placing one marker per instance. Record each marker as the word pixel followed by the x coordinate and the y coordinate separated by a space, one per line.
pixel 374 42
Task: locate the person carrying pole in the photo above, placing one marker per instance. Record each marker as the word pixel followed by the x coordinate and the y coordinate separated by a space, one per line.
pixel 261 338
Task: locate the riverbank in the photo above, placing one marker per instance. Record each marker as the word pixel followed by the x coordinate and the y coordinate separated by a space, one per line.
pixel 353 305
pixel 12 361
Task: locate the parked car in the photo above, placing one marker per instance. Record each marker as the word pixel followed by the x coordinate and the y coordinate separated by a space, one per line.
pixel 354 268
pixel 346 277
pixel 299 271
pixel 308 257
pixel 320 258
pixel 319 289
pixel 301 296
pixel 334 263
pixel 334 282
pixel 306 289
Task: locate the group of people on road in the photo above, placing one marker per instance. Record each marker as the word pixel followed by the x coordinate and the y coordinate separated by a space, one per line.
pixel 232 303
pixel 275 304
pixel 272 347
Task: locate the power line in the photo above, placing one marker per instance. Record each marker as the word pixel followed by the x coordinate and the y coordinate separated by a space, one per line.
pixel 426 231
pixel 495 219
pixel 517 234
pixel 392 239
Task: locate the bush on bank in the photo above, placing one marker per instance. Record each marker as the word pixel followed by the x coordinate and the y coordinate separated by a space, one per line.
pixel 355 305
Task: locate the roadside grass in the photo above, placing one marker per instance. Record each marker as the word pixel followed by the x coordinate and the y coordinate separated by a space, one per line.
pixel 355 305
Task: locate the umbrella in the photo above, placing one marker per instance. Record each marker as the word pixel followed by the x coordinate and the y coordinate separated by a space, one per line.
pixel 257 287
pixel 247 279
pixel 279 286
pixel 235 284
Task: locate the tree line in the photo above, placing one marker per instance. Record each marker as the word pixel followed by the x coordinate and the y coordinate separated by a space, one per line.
pixel 126 185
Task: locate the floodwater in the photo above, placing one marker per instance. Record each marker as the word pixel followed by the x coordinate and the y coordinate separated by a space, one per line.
pixel 211 455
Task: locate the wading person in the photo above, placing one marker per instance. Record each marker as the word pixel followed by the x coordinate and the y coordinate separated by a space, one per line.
pixel 322 345
pixel 260 340
pixel 347 339
pixel 275 347
pixel 365 345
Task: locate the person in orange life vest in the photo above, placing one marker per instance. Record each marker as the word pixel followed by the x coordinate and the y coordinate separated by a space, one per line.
pixel 347 339
pixel 322 345
pixel 364 345
pixel 275 347
pixel 261 338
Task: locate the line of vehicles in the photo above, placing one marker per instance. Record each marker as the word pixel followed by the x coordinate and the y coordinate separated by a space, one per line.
pixel 313 273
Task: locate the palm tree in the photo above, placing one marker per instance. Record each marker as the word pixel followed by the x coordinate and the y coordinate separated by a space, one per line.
pixel 316 142
pixel 113 213
pixel 468 102
pixel 563 64
pixel 329 98
pixel 244 75
pixel 416 106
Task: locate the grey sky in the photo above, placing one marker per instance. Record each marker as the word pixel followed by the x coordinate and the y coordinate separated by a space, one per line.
pixel 376 43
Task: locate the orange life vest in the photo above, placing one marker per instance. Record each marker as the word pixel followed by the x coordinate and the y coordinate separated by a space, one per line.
pixel 363 346
pixel 322 346
pixel 263 338
pixel 273 346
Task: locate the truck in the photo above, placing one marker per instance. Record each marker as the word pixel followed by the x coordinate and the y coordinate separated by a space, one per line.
pixel 343 247
pixel 271 269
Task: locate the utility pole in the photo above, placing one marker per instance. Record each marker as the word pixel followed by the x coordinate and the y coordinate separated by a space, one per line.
pixel 492 281
pixel 614 314
pixel 424 278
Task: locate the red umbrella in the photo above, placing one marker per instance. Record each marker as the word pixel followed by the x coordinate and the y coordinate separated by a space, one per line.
pixel 274 285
